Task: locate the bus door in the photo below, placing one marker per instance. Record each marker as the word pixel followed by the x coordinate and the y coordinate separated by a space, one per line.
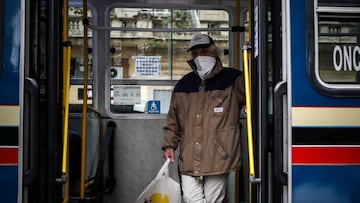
pixel 278 105
pixel 323 96
pixel 138 55
pixel 267 93
pixel 40 123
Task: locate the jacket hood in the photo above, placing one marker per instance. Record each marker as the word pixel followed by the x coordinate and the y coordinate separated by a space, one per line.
pixel 217 68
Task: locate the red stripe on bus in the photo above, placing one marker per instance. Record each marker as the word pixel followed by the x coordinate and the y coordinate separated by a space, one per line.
pixel 9 155
pixel 325 155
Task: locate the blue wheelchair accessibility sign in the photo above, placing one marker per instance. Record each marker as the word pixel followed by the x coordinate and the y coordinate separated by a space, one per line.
pixel 154 106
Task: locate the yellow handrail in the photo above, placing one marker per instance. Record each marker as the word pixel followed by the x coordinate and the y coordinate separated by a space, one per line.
pixel 84 109
pixel 247 73
pixel 66 89
pixel 248 113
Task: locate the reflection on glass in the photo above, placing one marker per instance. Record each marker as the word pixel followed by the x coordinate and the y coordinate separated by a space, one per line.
pixel 77 67
pixel 160 55
pixel 339 51
pixel 76 36
pixel 140 99
pixel 167 18
pixel 140 17
pixel 133 51
pixel 77 92
pixel 151 44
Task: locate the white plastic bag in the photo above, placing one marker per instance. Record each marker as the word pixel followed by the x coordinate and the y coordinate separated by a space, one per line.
pixel 162 189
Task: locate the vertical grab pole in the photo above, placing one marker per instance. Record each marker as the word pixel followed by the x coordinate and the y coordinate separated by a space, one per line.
pixel 248 114
pixel 248 119
pixel 247 71
pixel 66 89
pixel 84 109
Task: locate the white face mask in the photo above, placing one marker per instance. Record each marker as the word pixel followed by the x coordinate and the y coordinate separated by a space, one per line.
pixel 204 65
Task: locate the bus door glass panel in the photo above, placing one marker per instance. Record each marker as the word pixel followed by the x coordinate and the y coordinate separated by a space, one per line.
pixel 148 51
pixel 76 36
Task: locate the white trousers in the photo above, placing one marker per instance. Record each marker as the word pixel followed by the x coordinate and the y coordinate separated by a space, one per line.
pixel 207 189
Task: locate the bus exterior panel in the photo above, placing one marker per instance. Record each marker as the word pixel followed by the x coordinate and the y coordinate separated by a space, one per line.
pixel 9 100
pixel 325 163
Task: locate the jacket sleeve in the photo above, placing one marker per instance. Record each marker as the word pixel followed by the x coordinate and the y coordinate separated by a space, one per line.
pixel 172 129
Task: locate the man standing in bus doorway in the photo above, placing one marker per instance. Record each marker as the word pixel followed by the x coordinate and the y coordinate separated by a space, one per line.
pixel 203 120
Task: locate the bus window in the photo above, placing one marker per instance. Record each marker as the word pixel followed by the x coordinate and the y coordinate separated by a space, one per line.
pixel 335 37
pixel 339 50
pixel 140 98
pixel 148 50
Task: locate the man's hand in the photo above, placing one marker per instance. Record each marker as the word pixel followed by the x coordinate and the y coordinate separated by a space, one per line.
pixel 169 154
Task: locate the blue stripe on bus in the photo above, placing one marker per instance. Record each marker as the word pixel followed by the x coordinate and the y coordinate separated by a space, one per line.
pixel 9 79
pixel 330 184
pixel 303 93
pixel 8 184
